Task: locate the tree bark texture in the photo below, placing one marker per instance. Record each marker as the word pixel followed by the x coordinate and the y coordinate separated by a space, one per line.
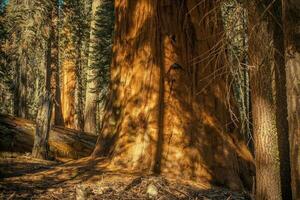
pixel 90 124
pixel 56 90
pixel 268 95
pixel 68 68
pixel 41 146
pixel 292 26
pixel 281 101
pixel 168 111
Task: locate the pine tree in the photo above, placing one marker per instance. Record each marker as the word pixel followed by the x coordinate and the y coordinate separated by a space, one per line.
pixel 49 17
pixel 268 94
pixel 25 55
pixel 6 70
pixel 100 53
pixel 72 39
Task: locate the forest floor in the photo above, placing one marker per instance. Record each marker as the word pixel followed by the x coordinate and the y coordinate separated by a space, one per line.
pixel 22 177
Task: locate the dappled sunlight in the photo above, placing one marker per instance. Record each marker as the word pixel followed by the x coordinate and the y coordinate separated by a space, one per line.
pixel 92 175
pixel 159 121
pixel 149 99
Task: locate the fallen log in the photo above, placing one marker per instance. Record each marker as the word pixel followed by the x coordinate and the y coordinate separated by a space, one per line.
pixel 17 135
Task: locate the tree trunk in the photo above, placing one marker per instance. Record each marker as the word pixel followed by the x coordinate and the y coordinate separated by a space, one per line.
pixel 41 146
pixel 234 14
pixel 168 112
pixel 281 102
pixel 58 115
pixel 16 97
pixel 68 80
pixel 22 107
pixel 78 122
pixel 270 128
pixel 90 124
pixel 292 26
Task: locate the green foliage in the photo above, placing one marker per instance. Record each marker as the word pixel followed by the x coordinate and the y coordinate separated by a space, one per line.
pixel 6 71
pixel 102 46
pixel 3 38
pixel 28 23
pixel 74 33
pixel 235 24
pixel 25 42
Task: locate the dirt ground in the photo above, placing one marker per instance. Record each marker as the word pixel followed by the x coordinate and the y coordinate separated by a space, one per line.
pixel 22 177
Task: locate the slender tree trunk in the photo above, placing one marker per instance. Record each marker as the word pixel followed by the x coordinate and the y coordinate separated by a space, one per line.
pixel 16 87
pixel 90 124
pixel 281 102
pixel 293 75
pixel 41 145
pixel 58 116
pixel 22 107
pixel 235 16
pixel 157 120
pixel 78 122
pixel 270 127
pixel 291 12
pixel 68 80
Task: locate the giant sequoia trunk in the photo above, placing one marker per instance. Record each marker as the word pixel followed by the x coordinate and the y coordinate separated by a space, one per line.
pixel 168 111
pixel 90 124
pixel 292 25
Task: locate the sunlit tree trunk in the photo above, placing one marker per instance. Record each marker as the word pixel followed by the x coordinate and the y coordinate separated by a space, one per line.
pixel 72 79
pixel 292 27
pixel 268 94
pixel 168 111
pixel 68 80
pixel 91 93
